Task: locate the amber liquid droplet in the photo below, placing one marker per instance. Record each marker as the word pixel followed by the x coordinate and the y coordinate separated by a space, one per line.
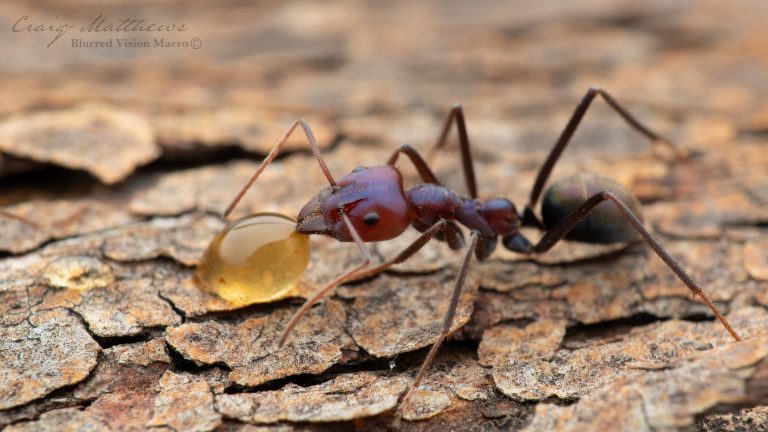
pixel 256 259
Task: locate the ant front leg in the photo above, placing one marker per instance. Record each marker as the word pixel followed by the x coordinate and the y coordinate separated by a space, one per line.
pixel 349 275
pixel 360 271
pixel 529 218
pixel 565 225
pixel 273 154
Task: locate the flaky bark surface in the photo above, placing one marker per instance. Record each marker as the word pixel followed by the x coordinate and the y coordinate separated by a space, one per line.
pixel 115 163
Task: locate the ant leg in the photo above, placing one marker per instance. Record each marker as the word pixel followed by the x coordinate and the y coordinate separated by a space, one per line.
pixel 273 154
pixel 349 275
pixel 461 277
pixel 529 217
pixel 73 217
pixel 59 223
pixel 567 223
pixel 457 114
pixel 22 219
pixel 359 272
pixel 406 253
pixel 421 166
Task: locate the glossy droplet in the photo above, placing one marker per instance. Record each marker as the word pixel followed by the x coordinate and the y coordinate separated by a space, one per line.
pixel 256 259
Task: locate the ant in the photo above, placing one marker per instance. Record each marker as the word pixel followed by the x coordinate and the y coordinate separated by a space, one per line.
pixel 370 204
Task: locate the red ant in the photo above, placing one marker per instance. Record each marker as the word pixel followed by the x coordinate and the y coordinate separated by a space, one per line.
pixel 370 205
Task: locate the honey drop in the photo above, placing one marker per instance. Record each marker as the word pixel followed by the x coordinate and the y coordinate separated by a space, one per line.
pixel 255 259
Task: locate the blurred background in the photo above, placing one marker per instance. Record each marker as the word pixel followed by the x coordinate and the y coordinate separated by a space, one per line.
pixel 129 153
pixel 387 72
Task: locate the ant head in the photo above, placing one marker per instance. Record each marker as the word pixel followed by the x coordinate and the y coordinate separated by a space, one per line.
pixel 373 198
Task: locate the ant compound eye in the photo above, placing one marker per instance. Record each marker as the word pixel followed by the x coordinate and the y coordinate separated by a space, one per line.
pixel 358 169
pixel 371 218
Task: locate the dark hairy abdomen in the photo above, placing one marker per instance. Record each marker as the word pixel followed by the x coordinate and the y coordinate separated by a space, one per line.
pixel 605 224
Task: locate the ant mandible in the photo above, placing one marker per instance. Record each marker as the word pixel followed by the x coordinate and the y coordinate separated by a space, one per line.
pixel 370 204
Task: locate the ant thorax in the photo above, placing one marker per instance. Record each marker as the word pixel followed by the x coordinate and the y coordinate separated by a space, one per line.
pixel 491 219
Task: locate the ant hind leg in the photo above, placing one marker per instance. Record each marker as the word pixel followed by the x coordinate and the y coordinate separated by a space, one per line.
pixel 558 232
pixel 529 218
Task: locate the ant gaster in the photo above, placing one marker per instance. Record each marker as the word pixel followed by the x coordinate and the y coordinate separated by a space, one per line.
pixel 370 204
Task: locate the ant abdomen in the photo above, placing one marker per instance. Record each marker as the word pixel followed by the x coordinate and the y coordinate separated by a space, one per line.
pixel 604 224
